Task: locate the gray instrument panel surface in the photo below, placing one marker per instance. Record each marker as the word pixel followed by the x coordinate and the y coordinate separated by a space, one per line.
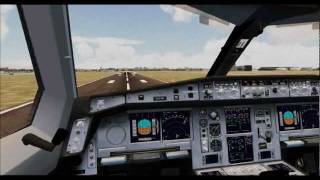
pixel 187 92
pixel 113 135
pixel 198 160
pixel 89 163
pixel 248 169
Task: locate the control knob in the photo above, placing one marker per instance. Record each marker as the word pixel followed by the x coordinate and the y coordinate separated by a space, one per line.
pixel 268 135
pixel 208 91
pixel 314 91
pixel 214 115
pixel 275 90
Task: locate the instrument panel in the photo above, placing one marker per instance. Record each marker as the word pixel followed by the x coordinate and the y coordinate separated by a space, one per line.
pixel 233 135
pixel 214 90
pixel 237 120
pixel 217 135
pixel 240 149
pixel 153 126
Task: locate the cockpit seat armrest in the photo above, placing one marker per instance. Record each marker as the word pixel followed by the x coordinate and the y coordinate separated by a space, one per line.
pixel 34 140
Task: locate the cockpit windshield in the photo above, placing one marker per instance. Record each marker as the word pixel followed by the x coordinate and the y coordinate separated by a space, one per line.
pixel 161 41
pixel 171 44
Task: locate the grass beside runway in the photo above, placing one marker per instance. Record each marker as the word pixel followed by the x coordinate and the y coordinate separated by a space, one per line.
pixel 19 88
pixel 86 77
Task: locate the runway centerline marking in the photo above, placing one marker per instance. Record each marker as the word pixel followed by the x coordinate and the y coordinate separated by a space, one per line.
pixel 111 81
pixel 143 81
pixel 127 80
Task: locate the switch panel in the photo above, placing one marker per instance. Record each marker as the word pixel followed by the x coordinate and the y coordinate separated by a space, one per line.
pixel 78 135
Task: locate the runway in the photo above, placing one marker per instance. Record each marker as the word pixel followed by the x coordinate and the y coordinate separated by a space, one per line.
pixel 19 117
pixel 120 82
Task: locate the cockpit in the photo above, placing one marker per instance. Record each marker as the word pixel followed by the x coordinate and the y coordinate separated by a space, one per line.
pixel 137 122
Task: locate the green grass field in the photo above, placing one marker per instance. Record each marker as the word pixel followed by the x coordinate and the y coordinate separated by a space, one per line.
pixel 21 87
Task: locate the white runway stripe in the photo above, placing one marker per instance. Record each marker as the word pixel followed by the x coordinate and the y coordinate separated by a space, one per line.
pixel 128 87
pixel 111 81
pixel 143 81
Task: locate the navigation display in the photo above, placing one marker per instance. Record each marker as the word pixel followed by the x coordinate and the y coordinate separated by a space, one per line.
pixel 310 116
pixel 175 125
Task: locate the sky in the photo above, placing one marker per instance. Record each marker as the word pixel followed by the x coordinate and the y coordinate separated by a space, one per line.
pixel 157 36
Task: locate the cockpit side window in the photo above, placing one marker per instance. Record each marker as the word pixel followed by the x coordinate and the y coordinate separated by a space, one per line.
pixel 21 86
